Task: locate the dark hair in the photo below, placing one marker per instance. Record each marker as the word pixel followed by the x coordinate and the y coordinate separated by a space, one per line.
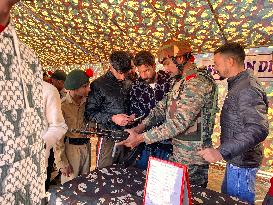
pixel 144 58
pixel 131 55
pixel 121 61
pixel 234 49
pixel 59 75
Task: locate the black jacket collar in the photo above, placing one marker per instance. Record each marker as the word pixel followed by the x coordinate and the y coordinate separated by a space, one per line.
pixel 233 80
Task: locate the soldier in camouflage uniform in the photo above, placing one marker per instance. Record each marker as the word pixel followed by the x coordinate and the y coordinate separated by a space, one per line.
pixel 187 113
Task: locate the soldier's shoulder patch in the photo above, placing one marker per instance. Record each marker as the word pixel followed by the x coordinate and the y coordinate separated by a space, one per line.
pixel 191 76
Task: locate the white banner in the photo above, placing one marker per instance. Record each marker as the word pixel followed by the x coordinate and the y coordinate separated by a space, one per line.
pixel 262 64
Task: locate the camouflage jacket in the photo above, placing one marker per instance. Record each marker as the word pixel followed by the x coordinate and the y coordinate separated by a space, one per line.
pixel 22 168
pixel 187 114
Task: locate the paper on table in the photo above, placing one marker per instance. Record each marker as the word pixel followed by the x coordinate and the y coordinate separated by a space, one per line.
pixel 164 184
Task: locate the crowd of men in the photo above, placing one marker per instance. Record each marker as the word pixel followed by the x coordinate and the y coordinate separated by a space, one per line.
pixel 170 112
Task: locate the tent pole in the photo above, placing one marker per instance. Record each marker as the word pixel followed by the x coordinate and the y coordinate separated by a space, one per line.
pixel 216 20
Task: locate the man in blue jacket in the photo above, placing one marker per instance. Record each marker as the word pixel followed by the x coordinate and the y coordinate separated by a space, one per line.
pixel 244 124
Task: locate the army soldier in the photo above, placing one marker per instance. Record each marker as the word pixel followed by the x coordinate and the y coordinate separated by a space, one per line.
pixel 73 150
pixel 187 113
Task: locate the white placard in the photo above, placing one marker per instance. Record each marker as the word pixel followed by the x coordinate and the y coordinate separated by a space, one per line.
pixel 166 183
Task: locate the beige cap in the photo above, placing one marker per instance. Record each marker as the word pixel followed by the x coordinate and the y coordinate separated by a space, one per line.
pixel 173 48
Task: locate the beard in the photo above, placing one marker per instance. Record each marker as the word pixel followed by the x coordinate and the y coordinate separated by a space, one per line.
pixel 149 80
pixel 221 76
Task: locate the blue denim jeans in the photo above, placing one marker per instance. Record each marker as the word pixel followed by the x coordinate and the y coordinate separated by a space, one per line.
pixel 240 182
pixel 142 162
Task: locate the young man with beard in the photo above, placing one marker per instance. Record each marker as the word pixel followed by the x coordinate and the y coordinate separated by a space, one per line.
pixel 146 92
pixel 243 121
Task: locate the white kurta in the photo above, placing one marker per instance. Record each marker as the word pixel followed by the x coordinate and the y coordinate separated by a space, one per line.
pixel 55 126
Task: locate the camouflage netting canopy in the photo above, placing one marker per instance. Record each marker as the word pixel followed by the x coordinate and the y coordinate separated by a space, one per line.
pixel 82 33
pixel 68 32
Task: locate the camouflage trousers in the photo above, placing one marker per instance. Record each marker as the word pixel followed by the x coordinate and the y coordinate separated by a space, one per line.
pixel 198 175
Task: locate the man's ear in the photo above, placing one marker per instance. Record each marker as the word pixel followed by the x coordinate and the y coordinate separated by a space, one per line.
pixel 231 61
pixel 180 59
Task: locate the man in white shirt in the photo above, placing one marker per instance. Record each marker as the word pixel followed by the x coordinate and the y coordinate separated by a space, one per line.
pixel 54 123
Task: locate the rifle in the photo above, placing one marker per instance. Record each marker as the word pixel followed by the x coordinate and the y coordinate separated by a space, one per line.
pixel 116 136
pixel 130 155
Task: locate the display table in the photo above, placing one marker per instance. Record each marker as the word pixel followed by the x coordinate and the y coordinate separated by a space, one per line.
pixel 119 186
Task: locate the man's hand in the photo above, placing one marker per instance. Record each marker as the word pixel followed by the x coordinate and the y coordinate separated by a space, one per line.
pixel 211 155
pixel 133 140
pixel 66 171
pixel 122 119
pixel 50 141
pixel 138 129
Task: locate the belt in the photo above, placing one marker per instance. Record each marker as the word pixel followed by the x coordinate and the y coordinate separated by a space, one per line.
pixel 76 141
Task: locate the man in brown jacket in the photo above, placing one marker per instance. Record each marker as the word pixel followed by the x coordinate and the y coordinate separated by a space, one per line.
pixel 73 150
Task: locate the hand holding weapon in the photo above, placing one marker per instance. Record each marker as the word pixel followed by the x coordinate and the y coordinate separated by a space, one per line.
pixel 116 136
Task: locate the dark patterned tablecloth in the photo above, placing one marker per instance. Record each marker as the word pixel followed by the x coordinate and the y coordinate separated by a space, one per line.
pixel 117 185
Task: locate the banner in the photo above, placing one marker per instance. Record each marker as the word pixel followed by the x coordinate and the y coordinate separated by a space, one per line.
pixel 261 64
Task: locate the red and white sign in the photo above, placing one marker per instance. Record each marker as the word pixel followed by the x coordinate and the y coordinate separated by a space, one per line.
pixel 167 183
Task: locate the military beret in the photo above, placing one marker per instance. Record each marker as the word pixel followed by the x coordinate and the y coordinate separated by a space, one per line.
pixel 75 79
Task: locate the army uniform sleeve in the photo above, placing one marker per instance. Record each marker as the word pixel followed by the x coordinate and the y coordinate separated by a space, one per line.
pixel 184 110
pixel 157 115
pixel 60 156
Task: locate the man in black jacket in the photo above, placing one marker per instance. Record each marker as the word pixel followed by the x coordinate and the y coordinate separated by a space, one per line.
pixel 107 106
pixel 244 124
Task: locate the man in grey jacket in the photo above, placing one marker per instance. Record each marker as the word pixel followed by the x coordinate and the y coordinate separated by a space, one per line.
pixel 244 124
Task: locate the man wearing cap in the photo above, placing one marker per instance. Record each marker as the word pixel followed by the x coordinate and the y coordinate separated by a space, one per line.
pixel 187 113
pixel 58 78
pixel 73 150
pixel 107 105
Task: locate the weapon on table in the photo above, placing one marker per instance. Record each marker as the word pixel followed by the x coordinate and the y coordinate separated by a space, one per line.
pixel 116 136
